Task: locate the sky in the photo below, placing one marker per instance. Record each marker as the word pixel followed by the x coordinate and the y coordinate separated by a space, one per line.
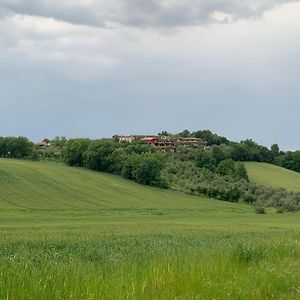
pixel 96 68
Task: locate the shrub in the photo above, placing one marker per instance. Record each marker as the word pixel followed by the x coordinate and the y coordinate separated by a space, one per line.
pixel 260 210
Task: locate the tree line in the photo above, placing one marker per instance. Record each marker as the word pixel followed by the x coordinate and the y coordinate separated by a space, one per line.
pixel 136 161
pixel 247 150
pixel 16 147
pixel 216 171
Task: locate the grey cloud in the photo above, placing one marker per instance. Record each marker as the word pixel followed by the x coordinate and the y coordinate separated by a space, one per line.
pixel 149 13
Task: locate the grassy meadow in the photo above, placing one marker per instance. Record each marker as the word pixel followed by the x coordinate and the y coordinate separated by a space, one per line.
pixel 70 233
pixel 275 176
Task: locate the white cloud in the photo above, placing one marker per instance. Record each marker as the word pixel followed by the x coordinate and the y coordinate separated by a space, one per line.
pixel 141 13
pixel 235 62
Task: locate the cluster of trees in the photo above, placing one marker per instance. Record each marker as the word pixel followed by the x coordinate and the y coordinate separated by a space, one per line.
pixel 136 161
pixel 245 151
pixel 185 176
pixel 16 147
pixel 226 183
pixel 289 160
pixel 216 172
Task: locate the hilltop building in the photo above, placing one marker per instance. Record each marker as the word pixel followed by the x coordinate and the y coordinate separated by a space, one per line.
pixel 126 138
pixel 42 144
pixel 163 144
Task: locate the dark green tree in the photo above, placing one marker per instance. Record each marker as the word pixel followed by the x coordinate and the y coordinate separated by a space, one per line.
pixel 73 152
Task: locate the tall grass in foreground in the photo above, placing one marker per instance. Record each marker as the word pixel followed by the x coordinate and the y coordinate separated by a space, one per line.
pixel 214 266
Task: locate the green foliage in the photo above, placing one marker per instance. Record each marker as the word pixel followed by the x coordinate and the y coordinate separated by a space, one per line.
pixel 137 161
pixel 241 171
pixel 205 159
pixel 147 169
pixel 289 160
pixel 210 138
pixel 73 152
pixel 59 142
pixel 19 147
pixel 275 150
pixel 226 167
pixel 260 210
pixel 138 147
pixel 99 156
pixel 184 133
pixel 228 182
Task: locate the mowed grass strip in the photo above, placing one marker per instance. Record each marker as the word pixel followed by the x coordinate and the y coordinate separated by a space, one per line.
pixel 271 175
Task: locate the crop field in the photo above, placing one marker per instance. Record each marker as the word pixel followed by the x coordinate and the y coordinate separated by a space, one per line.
pixel 70 233
pixel 271 175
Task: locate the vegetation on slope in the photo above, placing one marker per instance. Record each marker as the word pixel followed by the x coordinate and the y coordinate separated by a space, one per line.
pixel 43 185
pixel 211 168
pixel 72 233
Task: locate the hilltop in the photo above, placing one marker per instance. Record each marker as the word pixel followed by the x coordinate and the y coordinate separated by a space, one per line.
pixel 199 163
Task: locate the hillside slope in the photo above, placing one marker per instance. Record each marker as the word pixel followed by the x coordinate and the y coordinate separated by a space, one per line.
pixel 43 185
pixel 271 175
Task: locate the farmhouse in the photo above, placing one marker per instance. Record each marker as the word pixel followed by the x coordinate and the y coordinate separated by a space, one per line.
pixel 126 138
pixel 189 140
pixel 42 144
pixel 163 144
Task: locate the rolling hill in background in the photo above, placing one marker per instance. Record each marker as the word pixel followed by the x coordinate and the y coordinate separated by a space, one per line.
pixel 42 185
pixel 271 175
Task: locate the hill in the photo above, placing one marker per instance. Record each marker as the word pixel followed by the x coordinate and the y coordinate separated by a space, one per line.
pixel 44 185
pixel 72 233
pixel 271 175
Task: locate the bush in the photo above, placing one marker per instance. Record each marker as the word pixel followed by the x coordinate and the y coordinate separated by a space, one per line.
pixel 279 210
pixel 260 210
pixel 74 150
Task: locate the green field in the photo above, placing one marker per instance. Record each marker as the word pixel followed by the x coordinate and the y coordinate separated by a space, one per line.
pixel 271 175
pixel 70 233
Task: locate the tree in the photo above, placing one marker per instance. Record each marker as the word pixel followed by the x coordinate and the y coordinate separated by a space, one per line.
pixel 98 156
pixel 184 133
pixel 240 171
pixel 275 150
pixel 210 138
pixel 74 150
pixel 164 133
pixel 138 147
pixel 19 147
pixel 226 167
pixel 218 154
pixel 204 159
pixel 59 142
pixel 146 169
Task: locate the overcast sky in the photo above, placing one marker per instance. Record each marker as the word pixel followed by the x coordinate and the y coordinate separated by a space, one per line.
pixel 96 68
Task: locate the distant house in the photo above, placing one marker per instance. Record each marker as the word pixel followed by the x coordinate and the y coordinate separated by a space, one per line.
pixel 125 138
pixel 188 140
pixel 42 144
pixel 192 141
pixel 163 144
